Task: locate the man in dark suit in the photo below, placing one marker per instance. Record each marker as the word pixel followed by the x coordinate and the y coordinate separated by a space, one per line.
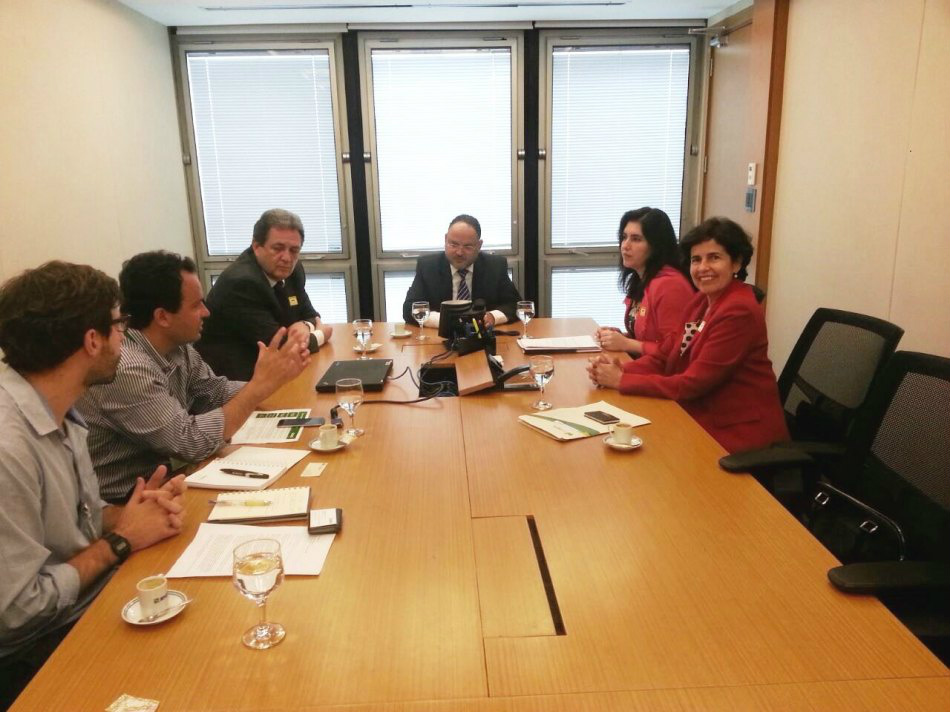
pixel 462 272
pixel 262 291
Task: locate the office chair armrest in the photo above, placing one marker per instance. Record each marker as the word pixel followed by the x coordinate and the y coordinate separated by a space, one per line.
pixel 815 448
pixel 765 459
pixel 884 577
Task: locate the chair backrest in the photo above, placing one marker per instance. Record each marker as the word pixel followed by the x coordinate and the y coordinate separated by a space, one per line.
pixel 898 454
pixel 830 370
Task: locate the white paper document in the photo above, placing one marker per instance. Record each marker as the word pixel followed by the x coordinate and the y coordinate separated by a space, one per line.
pixel 261 427
pixel 253 461
pixel 560 343
pixel 211 552
pixel 572 424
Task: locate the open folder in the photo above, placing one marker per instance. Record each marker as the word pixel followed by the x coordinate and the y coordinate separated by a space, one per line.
pixel 572 424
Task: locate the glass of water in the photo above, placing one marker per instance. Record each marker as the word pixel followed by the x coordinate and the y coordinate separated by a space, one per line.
pixel 525 311
pixel 349 395
pixel 363 328
pixel 258 570
pixel 542 368
pixel 420 312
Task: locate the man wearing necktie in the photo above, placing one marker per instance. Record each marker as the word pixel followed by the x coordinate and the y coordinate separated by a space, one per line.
pixel 263 290
pixel 462 271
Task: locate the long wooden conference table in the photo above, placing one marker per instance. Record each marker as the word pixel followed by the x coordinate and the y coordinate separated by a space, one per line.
pixel 671 585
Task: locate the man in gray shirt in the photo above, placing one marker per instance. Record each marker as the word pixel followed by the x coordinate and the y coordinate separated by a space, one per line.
pixel 165 402
pixel 60 331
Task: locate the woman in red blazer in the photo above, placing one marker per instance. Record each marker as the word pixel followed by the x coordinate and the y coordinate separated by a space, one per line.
pixel 716 366
pixel 657 291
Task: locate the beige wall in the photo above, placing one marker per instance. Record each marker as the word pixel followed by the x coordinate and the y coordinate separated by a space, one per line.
pixel 864 159
pixel 90 156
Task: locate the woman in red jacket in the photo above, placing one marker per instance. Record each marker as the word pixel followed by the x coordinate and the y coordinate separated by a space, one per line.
pixel 716 366
pixel 657 291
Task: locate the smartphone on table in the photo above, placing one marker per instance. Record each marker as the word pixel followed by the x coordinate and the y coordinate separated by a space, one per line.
pixel 300 422
pixel 602 417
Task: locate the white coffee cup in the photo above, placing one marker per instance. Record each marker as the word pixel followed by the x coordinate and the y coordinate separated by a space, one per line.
pixel 399 329
pixel 153 595
pixel 622 433
pixel 329 436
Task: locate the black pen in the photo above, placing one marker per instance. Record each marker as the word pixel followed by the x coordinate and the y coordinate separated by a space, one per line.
pixel 245 473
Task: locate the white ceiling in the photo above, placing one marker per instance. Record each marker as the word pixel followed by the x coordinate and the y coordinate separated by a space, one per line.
pixel 262 12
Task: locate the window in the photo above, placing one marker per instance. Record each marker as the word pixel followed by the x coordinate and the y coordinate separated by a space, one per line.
pixel 443 143
pixel 615 122
pixel 618 133
pixel 587 292
pixel 264 137
pixel 396 284
pixel 441 121
pixel 327 292
pixel 265 123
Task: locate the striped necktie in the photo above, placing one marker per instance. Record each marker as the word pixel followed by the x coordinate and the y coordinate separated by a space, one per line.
pixel 463 292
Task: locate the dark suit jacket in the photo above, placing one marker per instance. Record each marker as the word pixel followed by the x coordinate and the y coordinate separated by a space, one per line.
pixel 244 310
pixel 490 281
pixel 724 379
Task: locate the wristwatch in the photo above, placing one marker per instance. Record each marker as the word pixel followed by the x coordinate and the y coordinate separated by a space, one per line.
pixel 119 544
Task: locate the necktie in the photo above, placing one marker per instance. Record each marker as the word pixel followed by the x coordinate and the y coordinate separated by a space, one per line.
pixel 286 318
pixel 463 292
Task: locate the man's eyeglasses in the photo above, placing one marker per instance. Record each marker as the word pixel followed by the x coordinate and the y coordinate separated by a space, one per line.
pixel 459 246
pixel 121 323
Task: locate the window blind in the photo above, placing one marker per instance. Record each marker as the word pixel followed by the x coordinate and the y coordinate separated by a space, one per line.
pixel 587 292
pixel 327 292
pixel 263 124
pixel 443 126
pixel 618 133
pixel 395 287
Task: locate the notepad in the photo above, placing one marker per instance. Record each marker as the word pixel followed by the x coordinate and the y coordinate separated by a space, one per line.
pixel 281 504
pixel 271 461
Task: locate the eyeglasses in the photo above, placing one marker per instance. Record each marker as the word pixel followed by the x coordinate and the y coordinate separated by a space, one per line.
pixel 121 323
pixel 459 246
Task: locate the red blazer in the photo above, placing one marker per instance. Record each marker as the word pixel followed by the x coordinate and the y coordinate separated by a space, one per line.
pixel 664 299
pixel 724 379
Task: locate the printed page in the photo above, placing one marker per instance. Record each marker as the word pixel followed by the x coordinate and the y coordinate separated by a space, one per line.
pixel 261 427
pixel 211 552
pixel 560 343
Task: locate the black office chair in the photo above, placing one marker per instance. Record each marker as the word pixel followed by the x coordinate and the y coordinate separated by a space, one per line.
pixel 828 373
pixel 896 467
pixel 824 382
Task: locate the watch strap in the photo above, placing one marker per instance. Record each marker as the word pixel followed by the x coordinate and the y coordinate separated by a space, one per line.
pixel 119 544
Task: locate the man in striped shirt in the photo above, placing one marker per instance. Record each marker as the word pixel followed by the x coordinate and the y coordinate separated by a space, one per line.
pixel 166 404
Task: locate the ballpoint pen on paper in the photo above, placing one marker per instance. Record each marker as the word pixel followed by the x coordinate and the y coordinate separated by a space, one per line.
pixel 244 473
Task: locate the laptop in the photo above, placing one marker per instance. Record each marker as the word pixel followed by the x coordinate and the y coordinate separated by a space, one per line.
pixel 372 372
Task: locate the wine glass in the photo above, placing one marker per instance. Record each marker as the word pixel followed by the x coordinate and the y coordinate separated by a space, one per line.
pixel 525 311
pixel 542 368
pixel 349 395
pixel 420 312
pixel 363 328
pixel 258 570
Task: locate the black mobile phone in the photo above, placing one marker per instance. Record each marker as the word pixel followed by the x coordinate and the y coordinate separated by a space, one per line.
pixel 297 422
pixel 602 417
